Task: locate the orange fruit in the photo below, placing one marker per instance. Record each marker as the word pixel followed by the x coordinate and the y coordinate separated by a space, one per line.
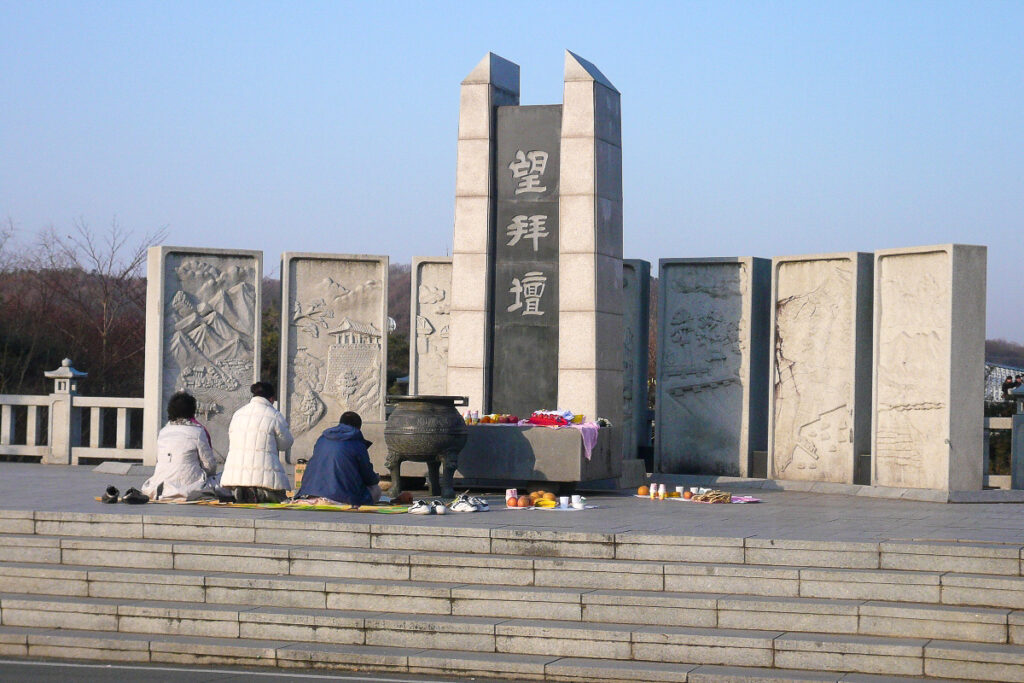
pixel 486 419
pixel 511 502
pixel 525 502
pixel 643 491
pixel 549 496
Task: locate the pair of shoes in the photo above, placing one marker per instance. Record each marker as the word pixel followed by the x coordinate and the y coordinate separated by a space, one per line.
pixel 134 496
pixel 110 495
pixel 464 504
pixel 422 507
pixel 480 503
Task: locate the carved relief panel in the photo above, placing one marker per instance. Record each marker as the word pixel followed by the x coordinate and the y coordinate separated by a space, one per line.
pixel 815 367
pixel 334 342
pixel 430 315
pixel 712 327
pixel 207 330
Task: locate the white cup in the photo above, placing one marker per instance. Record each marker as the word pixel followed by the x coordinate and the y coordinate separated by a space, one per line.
pixel 680 490
pixel 563 502
pixel 576 500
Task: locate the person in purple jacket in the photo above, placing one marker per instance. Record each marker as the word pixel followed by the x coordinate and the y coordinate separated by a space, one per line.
pixel 340 468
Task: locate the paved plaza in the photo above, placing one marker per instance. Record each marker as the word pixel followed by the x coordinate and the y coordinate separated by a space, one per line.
pixel 782 514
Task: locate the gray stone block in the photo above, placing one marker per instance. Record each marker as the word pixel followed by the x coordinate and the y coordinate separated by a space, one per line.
pixel 194 621
pixel 974 661
pixel 785 614
pixel 953 557
pixel 658 547
pixel 383 596
pixel 552 544
pixel 595 574
pixel 855 584
pixel 215 530
pixel 432 539
pixel 65 613
pixel 583 669
pixel 518 667
pixel 94 529
pixel 513 603
pixel 347 657
pixel 859 654
pixel 442 633
pixel 731 674
pixel 147 585
pixel 251 560
pixel 638 607
pixel 933 621
pixel 44 580
pixel 213 651
pixel 704 646
pixel 430 299
pixel 535 637
pixel 316 534
pixel 712 578
pixel 148 555
pixel 350 564
pixel 812 553
pixel 482 569
pixel 320 627
pixel 275 592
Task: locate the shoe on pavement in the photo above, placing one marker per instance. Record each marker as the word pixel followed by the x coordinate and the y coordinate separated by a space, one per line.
pixel 421 507
pixel 463 504
pixel 134 496
pixel 110 495
pixel 480 504
pixel 439 507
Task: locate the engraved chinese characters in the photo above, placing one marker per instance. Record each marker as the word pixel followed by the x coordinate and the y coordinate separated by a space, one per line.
pixel 820 367
pixel 929 359
pixel 202 321
pixel 712 364
pixel 431 313
pixel 525 339
pixel 333 345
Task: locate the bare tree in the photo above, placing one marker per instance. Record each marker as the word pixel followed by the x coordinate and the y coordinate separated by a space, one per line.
pixel 95 283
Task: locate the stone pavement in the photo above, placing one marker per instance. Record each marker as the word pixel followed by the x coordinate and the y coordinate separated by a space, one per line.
pixel 793 515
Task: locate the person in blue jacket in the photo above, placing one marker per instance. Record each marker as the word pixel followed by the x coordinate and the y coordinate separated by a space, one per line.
pixel 340 468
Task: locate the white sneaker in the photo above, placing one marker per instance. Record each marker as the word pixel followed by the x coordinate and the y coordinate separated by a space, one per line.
pixel 480 504
pixel 463 504
pixel 438 507
pixel 421 507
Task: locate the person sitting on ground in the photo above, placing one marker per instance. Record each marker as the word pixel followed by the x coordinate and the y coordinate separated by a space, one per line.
pixel 258 432
pixel 340 468
pixel 186 464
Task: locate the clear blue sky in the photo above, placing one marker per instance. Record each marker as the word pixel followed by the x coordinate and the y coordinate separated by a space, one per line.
pixel 758 128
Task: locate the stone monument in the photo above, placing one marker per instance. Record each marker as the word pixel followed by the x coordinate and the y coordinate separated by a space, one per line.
pixel 430 304
pixel 536 314
pixel 712 364
pixel 820 389
pixel 333 341
pixel 202 335
pixel 929 357
pixel 636 293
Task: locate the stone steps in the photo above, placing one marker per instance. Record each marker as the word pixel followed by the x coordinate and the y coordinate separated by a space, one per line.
pixel 624 609
pixel 516 603
pixel 184 650
pixel 931 586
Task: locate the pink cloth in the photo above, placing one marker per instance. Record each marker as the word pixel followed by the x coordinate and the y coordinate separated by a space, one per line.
pixel 588 430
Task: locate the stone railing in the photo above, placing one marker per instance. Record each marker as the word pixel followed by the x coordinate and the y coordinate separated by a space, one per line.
pixel 64 428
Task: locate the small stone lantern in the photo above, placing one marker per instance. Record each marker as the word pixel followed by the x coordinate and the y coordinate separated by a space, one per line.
pixel 65 378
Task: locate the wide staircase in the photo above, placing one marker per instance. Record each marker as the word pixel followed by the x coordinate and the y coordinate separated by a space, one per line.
pixel 377 594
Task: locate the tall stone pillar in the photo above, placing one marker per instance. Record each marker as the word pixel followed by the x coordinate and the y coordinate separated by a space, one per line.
pixel 636 305
pixel 590 244
pixel 929 364
pixel 493 83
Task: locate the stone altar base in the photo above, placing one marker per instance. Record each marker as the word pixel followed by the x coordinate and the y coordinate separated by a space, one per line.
pixel 501 456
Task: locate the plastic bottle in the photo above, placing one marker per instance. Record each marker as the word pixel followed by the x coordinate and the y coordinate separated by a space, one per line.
pixel 661 492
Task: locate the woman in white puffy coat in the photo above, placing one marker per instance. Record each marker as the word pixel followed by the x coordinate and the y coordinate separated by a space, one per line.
pixel 257 433
pixel 186 464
